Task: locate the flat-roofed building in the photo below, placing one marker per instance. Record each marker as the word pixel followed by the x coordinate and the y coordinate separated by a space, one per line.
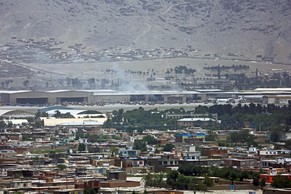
pixel 195 122
pixel 46 97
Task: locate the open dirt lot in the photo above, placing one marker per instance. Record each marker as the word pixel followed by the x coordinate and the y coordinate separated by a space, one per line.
pixel 96 69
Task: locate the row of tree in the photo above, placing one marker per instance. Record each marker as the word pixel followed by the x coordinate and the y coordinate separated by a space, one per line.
pixel 227 67
pixel 141 144
pixel 256 116
pixel 176 180
pixel 139 119
pixel 225 173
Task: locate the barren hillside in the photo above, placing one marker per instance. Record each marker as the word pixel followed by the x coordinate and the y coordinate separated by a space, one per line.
pixel 242 27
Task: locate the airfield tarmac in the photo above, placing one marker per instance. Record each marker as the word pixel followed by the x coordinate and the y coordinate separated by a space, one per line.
pixel 112 107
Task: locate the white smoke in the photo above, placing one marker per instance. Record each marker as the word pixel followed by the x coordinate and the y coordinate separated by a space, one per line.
pixel 127 82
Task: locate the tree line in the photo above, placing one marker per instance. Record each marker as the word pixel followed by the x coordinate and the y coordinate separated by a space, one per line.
pixel 226 67
pixel 268 118
pixel 176 180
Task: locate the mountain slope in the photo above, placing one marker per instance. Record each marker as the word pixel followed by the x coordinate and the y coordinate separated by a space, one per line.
pixel 243 27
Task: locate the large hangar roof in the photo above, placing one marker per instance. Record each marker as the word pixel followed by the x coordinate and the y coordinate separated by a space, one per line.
pixel 57 91
pixel 273 89
pixel 29 94
pixel 13 92
pixel 150 92
pixel 41 91
pixel 69 91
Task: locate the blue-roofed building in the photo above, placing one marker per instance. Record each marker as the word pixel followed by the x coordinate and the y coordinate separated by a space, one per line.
pixel 181 137
pixel 200 135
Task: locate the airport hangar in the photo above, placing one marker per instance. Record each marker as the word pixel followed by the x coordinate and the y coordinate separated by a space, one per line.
pixel 44 97
pixel 95 96
pixel 112 96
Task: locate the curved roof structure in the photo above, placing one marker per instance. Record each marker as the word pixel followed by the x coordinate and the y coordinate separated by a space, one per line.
pixel 15 114
pixel 73 112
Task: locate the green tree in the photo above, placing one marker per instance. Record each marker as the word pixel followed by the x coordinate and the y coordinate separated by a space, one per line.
pixel 38 123
pixel 242 174
pixel 25 83
pixel 113 150
pixel 160 179
pixel 91 83
pixel 183 182
pixel 208 181
pixel 193 185
pixel 2 124
pixel 197 186
pixel 262 183
pixel 148 179
pixel 95 138
pixel 57 114
pixel 168 147
pixel 201 187
pixel 61 167
pixel 281 182
pixel 150 140
pixel 212 135
pixel 172 177
pixel 201 110
pixel 139 145
pixel 80 134
pixel 10 124
pixel 90 191
pixel 41 114
pixel 242 137
pixel 288 144
pixel 275 135
pixel 81 147
pixel 256 181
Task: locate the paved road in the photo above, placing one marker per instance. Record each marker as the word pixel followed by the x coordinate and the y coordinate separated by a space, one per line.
pixel 112 107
